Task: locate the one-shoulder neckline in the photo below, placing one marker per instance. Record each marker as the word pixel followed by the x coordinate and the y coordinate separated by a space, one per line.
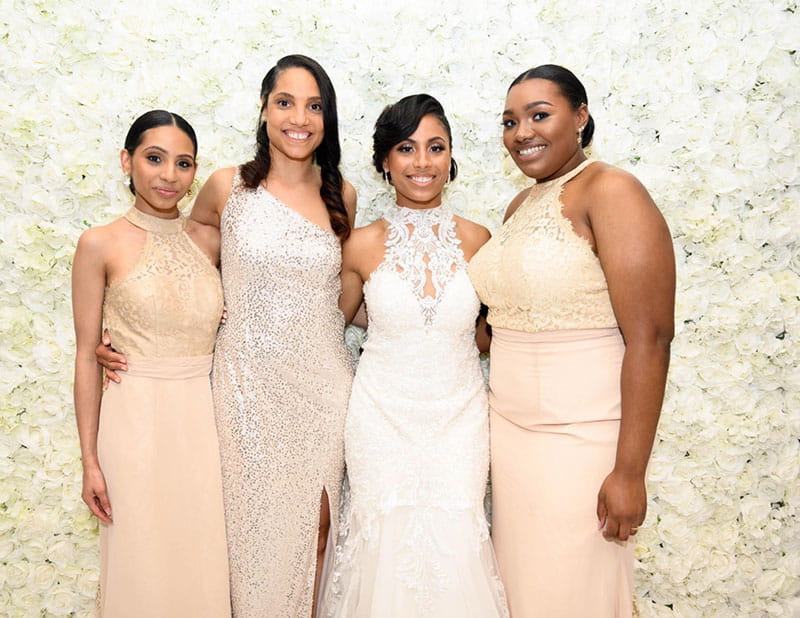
pixel 283 204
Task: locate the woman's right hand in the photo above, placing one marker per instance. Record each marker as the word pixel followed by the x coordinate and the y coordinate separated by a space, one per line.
pixel 111 360
pixel 95 495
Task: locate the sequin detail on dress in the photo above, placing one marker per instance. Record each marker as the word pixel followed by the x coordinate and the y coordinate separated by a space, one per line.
pixel 282 377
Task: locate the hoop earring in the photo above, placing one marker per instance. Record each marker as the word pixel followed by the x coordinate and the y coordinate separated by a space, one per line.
pixel 387 177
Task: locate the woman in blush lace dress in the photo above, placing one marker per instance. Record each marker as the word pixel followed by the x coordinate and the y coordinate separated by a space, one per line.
pixel 580 284
pixel 151 467
pixel 414 539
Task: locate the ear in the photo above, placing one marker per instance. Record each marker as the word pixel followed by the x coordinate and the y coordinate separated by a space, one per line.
pixel 581 116
pixel 125 161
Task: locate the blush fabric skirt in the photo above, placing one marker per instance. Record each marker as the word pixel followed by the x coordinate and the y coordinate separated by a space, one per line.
pixel 165 555
pixel 555 410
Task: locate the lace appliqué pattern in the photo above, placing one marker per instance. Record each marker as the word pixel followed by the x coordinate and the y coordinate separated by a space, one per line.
pixel 428 252
pixel 537 274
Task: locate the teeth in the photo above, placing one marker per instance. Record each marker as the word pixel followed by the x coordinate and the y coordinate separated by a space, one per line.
pixel 295 135
pixel 422 179
pixel 532 149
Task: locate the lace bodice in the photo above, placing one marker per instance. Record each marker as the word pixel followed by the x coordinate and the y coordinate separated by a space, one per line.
pixel 423 248
pixel 170 304
pixel 537 274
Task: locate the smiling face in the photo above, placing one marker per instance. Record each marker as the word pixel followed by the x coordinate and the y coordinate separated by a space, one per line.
pixel 293 115
pixel 162 169
pixel 541 129
pixel 420 165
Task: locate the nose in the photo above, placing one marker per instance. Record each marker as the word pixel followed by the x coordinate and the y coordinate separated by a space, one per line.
pixel 299 115
pixel 524 131
pixel 422 159
pixel 168 172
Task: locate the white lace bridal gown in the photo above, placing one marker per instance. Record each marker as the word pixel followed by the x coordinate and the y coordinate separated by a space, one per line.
pixel 413 535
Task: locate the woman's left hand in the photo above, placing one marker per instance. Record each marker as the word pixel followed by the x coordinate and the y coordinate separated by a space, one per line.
pixel 621 506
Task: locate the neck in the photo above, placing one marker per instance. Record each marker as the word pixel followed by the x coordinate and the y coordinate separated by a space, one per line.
pixel 570 164
pixel 290 171
pixel 161 213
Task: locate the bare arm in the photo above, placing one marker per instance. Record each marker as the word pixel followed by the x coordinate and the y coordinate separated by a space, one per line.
pixel 352 283
pixel 88 287
pixel 635 250
pixel 349 198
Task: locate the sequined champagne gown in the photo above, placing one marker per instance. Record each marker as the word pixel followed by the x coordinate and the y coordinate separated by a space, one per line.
pixel 414 536
pixel 555 405
pixel 282 376
pixel 165 554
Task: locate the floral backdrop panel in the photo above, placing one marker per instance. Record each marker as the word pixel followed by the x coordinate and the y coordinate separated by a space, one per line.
pixel 698 98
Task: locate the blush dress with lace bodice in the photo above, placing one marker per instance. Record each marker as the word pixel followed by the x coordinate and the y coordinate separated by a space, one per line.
pixel 414 538
pixel 165 555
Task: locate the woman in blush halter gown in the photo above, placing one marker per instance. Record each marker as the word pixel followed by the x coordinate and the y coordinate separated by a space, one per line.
pixel 149 447
pixel 580 285
pixel 414 538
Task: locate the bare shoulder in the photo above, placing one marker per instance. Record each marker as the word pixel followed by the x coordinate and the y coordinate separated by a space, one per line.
pixel 606 185
pixel 97 241
pixel 516 203
pixel 221 180
pixel 363 237
pixel 213 196
pixel 471 233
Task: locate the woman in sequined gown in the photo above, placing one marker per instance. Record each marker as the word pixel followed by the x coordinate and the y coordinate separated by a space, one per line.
pixel 149 450
pixel 414 540
pixel 282 372
pixel 580 284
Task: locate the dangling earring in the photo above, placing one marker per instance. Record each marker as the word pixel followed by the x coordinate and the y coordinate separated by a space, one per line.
pixel 580 136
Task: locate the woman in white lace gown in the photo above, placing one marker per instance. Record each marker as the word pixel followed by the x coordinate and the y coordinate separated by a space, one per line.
pixel 414 539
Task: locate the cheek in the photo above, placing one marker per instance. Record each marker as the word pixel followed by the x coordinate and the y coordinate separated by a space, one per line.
pixel 508 140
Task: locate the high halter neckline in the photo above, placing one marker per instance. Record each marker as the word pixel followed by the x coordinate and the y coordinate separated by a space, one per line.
pixel 415 216
pixel 566 176
pixel 155 224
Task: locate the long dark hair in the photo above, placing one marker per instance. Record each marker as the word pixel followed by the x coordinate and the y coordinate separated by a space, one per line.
pixel 150 120
pixel 571 88
pixel 327 154
pixel 398 122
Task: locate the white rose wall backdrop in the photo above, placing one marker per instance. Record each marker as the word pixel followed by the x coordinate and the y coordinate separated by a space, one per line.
pixel 698 98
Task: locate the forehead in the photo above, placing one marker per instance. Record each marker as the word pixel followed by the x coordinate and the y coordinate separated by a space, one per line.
pixel 535 89
pixel 168 137
pixel 296 81
pixel 429 127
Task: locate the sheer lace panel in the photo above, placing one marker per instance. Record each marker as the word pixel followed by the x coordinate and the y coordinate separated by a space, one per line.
pixel 423 248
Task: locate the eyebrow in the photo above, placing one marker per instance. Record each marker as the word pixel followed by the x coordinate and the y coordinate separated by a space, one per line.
pixel 433 139
pixel 289 95
pixel 160 149
pixel 529 106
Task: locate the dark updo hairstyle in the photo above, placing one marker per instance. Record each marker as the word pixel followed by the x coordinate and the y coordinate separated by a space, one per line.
pixel 327 154
pixel 150 120
pixel 398 122
pixel 571 89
